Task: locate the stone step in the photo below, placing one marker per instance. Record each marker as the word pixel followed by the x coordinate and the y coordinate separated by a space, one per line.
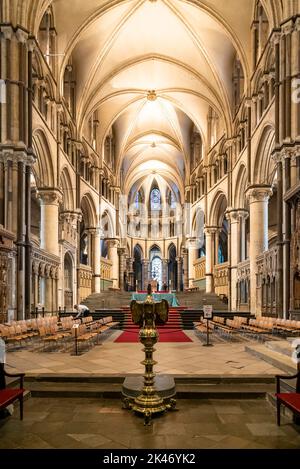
pixel 276 359
pixel 114 390
pixel 281 346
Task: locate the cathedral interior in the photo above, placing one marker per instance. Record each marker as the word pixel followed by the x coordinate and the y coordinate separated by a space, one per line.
pixel 151 142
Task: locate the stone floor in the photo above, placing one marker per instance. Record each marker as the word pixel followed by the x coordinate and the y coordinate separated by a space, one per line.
pixel 94 423
pixel 121 358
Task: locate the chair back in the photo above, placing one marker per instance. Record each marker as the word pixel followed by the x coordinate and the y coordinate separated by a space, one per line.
pixel 2 377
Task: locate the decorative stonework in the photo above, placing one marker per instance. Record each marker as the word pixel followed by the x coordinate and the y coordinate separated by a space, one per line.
pixel 259 193
pixel 6 247
pixel 50 196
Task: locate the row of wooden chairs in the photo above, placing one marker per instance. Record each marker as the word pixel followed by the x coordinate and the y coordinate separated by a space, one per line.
pixel 257 327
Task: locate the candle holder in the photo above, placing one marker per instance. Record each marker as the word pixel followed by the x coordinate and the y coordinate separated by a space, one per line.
pixel 147 314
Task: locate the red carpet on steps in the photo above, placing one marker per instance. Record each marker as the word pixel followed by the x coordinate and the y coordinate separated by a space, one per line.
pixel 170 332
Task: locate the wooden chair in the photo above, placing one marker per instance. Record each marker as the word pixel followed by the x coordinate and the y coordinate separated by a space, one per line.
pixel 9 395
pixel 291 400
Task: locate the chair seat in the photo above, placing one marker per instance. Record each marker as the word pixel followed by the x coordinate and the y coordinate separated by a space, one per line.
pixel 290 399
pixel 7 396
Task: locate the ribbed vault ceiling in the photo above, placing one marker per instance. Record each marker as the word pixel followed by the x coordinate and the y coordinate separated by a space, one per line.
pixel 182 49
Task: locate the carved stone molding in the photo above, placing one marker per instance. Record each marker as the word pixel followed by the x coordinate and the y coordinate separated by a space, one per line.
pixel 50 196
pixel 258 193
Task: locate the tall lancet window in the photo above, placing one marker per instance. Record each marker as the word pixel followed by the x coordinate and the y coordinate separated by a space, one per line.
pixel 155 199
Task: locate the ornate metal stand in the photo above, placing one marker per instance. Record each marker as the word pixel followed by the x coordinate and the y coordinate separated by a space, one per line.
pixel 149 402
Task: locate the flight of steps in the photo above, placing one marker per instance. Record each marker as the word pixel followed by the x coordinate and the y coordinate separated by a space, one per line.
pixel 198 298
pixel 107 300
pixel 174 320
pixel 119 299
pixel 116 304
pixel 277 353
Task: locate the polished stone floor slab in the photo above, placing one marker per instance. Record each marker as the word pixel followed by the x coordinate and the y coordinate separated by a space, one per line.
pixel 102 423
pixel 110 358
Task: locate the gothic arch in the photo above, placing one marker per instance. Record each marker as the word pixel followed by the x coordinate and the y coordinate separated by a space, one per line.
pixel 240 187
pixel 89 211
pixel 107 225
pixel 67 190
pixel 217 209
pixel 263 168
pixel 43 168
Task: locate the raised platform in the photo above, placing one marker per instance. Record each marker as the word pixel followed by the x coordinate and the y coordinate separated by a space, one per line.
pixel 164 384
pixel 187 387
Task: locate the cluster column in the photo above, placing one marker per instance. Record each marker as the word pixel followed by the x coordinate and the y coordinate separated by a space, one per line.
pixel 179 272
pixel 113 256
pixel 96 260
pixel 192 256
pixel 258 201
pixel 121 253
pixel 210 233
pixel 145 273
pixel 49 200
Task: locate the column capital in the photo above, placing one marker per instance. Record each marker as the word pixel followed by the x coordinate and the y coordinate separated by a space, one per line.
pixel 70 217
pixel 258 193
pixel 112 242
pixel 91 230
pixel 288 28
pixel 121 251
pixel 51 196
pixel 233 214
pixel 211 229
pixel 193 242
pixel 275 39
pixel 297 24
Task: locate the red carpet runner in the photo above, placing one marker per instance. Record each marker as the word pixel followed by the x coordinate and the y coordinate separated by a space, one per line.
pixel 170 332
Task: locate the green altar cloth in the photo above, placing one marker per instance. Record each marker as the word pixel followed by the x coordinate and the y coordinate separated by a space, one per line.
pixel 170 297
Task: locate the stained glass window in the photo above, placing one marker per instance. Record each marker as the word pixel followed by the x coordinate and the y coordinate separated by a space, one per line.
pixel 155 199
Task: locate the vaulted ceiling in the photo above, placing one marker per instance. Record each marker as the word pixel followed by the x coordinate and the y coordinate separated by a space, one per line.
pixel 181 51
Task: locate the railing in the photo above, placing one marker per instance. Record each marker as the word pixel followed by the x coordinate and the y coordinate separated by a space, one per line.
pixel 243 285
pixel 85 281
pixel 221 279
pixel 199 266
pixel 267 266
pixel 106 265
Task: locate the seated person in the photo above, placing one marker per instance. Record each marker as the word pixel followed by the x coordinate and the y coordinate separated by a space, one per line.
pixel 83 311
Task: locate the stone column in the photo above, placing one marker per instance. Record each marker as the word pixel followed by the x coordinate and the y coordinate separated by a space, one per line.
pixel 96 261
pixel 232 216
pixel 164 271
pixel 192 256
pixel 130 270
pixel 209 257
pixel 113 256
pixel 179 273
pixel 145 273
pixel 48 290
pixel 50 199
pixel 121 253
pixel 287 232
pixel 237 218
pixel 258 201
pixel 185 253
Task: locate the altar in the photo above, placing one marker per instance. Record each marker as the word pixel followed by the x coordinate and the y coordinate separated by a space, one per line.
pixel 170 297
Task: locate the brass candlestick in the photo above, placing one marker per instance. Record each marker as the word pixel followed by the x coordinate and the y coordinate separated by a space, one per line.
pixel 147 314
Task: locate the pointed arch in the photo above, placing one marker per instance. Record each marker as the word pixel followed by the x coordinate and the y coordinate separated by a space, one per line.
pixel 89 211
pixel 240 187
pixel 264 167
pixel 217 209
pixel 43 168
pixel 67 189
